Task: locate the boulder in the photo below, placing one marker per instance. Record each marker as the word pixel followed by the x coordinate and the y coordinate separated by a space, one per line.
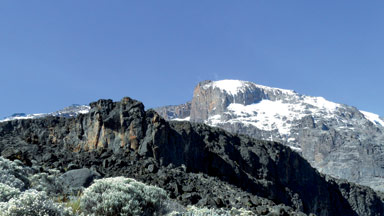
pixel 77 179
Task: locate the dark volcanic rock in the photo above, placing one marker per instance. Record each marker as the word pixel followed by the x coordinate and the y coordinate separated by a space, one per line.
pixel 195 163
pixel 78 178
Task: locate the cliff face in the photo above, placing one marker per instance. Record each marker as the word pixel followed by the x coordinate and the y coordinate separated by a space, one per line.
pixel 108 125
pixel 210 100
pixel 181 112
pixel 118 138
pixel 338 140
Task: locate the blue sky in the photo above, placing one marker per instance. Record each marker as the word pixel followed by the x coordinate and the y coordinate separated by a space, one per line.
pixel 57 53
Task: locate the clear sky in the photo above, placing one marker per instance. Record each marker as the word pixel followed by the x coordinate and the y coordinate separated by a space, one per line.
pixel 57 53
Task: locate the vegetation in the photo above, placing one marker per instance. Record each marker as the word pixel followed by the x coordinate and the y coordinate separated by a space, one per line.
pixel 122 196
pixel 25 191
pixel 33 203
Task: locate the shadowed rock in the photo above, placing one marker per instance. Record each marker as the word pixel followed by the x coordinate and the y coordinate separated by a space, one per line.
pixel 121 138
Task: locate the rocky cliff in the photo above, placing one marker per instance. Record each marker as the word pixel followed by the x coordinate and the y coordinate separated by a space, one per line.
pixel 195 163
pixel 177 112
pixel 339 140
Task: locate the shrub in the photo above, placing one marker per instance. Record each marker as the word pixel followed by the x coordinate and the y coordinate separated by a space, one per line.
pixel 47 182
pixel 122 196
pixel 195 211
pixel 7 178
pixel 7 192
pixel 32 203
pixel 13 173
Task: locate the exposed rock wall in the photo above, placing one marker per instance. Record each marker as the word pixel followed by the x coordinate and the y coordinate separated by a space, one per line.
pixel 181 111
pixel 122 138
pixel 338 140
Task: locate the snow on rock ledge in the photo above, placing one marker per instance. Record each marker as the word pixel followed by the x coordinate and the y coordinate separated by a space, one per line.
pixel 70 111
pixel 338 139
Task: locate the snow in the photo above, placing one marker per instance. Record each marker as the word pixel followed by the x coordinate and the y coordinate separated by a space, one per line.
pixel 374 118
pixel 214 120
pixel 271 115
pixel 181 119
pixel 281 111
pixel 29 116
pixel 297 149
pixel 291 139
pixel 266 115
pixel 275 90
pixel 233 87
pixel 321 103
pixel 84 111
pixel 68 111
pixel 230 86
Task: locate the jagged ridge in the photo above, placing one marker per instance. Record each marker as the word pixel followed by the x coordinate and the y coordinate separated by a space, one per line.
pixel 70 111
pixel 122 138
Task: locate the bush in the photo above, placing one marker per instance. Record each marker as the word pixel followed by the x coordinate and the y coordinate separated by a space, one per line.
pixel 13 173
pixel 7 178
pixel 195 211
pixel 122 196
pixel 32 203
pixel 7 192
pixel 47 182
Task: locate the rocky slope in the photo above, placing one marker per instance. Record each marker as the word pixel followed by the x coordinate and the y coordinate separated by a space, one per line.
pixel 339 140
pixel 70 111
pixel 195 163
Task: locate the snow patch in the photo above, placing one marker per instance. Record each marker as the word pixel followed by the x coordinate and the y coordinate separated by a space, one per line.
pixel 85 111
pixel 233 87
pixel 266 115
pixel 29 116
pixel 280 115
pixel 297 149
pixel 321 103
pixel 182 119
pixel 71 111
pixel 214 120
pixel 374 118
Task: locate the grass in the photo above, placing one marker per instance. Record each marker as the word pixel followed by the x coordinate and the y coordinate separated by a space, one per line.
pixel 74 205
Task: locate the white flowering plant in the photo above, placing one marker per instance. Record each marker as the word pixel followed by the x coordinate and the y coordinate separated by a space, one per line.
pixel 122 196
pixel 33 203
pixel 7 192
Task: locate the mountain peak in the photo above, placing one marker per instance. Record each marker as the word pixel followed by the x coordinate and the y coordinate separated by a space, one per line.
pixel 234 87
pixel 335 138
pixel 196 164
pixel 267 108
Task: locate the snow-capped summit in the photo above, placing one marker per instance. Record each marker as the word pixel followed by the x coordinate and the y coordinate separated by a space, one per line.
pixel 264 107
pixel 338 139
pixel 233 87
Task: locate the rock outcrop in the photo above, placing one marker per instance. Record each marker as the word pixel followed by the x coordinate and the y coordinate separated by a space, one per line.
pixel 195 163
pixel 180 112
pixel 338 140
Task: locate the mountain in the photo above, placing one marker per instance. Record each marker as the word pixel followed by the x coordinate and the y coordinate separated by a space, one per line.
pixel 70 111
pixel 337 139
pixel 195 163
